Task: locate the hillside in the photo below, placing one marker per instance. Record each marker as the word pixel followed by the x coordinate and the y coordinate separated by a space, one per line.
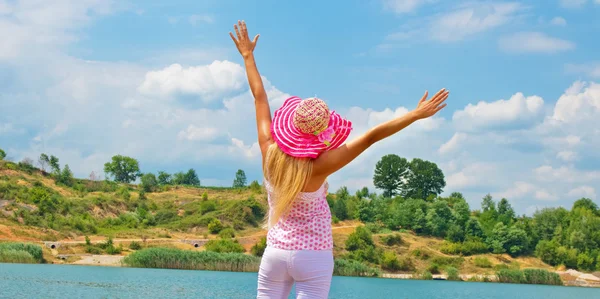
pixel 33 207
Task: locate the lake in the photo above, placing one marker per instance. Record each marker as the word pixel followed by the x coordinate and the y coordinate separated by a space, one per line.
pixel 67 281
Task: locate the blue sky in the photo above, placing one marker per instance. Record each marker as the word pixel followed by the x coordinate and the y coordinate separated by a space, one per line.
pixel 162 82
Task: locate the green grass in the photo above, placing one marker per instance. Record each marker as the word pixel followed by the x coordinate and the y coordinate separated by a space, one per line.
pixel 170 258
pixel 20 253
pixel 528 276
pixel 343 267
pixel 482 262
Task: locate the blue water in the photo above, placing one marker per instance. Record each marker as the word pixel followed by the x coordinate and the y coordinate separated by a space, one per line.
pixel 65 281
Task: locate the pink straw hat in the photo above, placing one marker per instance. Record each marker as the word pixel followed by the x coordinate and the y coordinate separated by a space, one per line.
pixel 306 128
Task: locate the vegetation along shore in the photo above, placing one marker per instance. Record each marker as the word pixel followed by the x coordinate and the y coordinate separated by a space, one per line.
pixel 173 221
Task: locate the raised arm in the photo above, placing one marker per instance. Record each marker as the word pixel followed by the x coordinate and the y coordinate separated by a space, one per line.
pixel 263 112
pixel 331 161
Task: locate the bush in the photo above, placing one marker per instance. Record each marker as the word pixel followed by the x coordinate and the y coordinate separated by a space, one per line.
pixel 434 268
pixel 467 248
pixel 204 196
pixel 343 267
pixel 482 262
pixel 227 233
pixel 452 274
pixel 406 264
pixel 215 226
pixel 171 258
pixel 359 239
pixel 425 276
pixel 208 206
pixel 391 240
pixel 421 254
pixel 529 276
pixel 224 245
pixel 259 248
pixel 123 192
pixel 448 261
pixel 389 261
pixel 20 253
pixel 585 262
pixel 135 245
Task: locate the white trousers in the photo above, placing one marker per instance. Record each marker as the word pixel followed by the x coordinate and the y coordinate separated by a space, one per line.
pixel 311 270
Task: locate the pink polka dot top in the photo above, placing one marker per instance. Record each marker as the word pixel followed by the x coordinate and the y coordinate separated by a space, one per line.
pixel 307 225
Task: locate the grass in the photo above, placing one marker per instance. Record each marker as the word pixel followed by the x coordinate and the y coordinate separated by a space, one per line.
pixel 170 258
pixel 343 267
pixel 482 262
pixel 528 276
pixel 20 253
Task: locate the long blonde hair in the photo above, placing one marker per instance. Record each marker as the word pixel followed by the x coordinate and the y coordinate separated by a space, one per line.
pixel 287 176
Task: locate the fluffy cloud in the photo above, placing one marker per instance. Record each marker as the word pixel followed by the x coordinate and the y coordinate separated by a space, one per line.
pixel 473 18
pixel 583 191
pixel 591 69
pixel 558 21
pixel 209 82
pixel 518 110
pixel 194 133
pixel 453 143
pixel 579 104
pixel 534 42
pixel 404 6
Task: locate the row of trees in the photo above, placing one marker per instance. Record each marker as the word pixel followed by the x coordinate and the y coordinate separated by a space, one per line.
pixel 411 201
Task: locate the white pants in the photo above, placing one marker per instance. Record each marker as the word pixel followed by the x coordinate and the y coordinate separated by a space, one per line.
pixel 311 270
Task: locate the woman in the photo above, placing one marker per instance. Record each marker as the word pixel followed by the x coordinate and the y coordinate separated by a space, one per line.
pixel 301 146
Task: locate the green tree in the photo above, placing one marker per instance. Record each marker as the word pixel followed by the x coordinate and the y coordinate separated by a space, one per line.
pixel 506 214
pixel 191 178
pixel 164 178
pixel 455 233
pixel 240 179
pixel 340 210
pixel 516 242
pixel 54 165
pixel 178 178
pixel 461 213
pixel 473 228
pixel 439 217
pixel 365 211
pixel 498 237
pixel 362 193
pixel 43 161
pixel 66 176
pixel 390 174
pixel 215 226
pixel 342 193
pixel 124 169
pixel 547 252
pixel 547 220
pixel 2 154
pixel 489 215
pixel 585 203
pixel 149 182
pixel 361 238
pixel 425 179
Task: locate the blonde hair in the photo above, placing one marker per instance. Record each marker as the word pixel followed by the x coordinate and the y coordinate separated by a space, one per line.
pixel 287 176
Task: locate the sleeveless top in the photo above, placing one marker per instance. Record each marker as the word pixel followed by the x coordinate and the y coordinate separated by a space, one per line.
pixel 307 226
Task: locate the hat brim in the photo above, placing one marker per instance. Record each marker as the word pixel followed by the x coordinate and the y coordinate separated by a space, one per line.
pixel 297 144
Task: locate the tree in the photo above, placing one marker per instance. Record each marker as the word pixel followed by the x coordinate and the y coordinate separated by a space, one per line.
pixel 516 242
pixel 506 214
pixel 498 237
pixel 240 179
pixel 362 193
pixel 342 193
pixel 191 178
pixel 164 178
pixel 473 228
pixel 178 178
pixel 585 203
pixel 455 233
pixel 340 210
pixel 489 215
pixel 439 217
pixel 547 220
pixel 365 211
pixel 2 154
pixel 425 179
pixel 390 174
pixel 149 182
pixel 66 176
pixel 43 161
pixel 124 169
pixel 461 213
pixel 54 165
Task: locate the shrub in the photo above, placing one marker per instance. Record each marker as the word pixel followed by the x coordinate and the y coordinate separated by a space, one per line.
pixel 467 248
pixel 255 186
pixel 482 262
pixel 585 262
pixel 359 239
pixel 406 264
pixel 448 261
pixel 227 233
pixel 208 206
pixel 510 276
pixel 204 196
pixel 389 261
pixel 215 226
pixel 171 258
pixel 434 268
pixel 20 253
pixel 391 240
pixel 224 245
pixel 259 248
pixel 425 276
pixel 452 274
pixel 541 276
pixel 421 254
pixel 123 192
pixel 343 267
pixel 135 245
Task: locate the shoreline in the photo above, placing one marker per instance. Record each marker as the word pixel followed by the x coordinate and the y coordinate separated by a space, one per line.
pixel 580 279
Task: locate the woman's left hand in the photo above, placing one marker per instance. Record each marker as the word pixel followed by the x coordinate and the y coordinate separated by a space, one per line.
pixel 244 45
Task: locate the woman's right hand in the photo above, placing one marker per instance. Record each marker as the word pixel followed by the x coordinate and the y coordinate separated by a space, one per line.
pixel 428 108
pixel 243 43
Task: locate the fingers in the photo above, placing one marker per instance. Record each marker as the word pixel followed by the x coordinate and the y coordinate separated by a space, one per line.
pixel 255 39
pixel 424 97
pixel 244 29
pixel 233 38
pixel 440 107
pixel 237 31
pixel 440 97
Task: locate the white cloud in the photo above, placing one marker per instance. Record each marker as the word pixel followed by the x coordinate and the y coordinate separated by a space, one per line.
pixel 473 18
pixel 580 103
pixel 209 81
pixel 250 151
pixel 452 144
pixel 197 19
pixel 573 3
pixel 567 156
pixel 484 115
pixel 568 174
pixel 590 69
pixel 472 175
pixel 518 190
pixel 545 195
pixel 583 191
pixel 194 133
pixel 558 21
pixel 404 6
pixel 534 42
